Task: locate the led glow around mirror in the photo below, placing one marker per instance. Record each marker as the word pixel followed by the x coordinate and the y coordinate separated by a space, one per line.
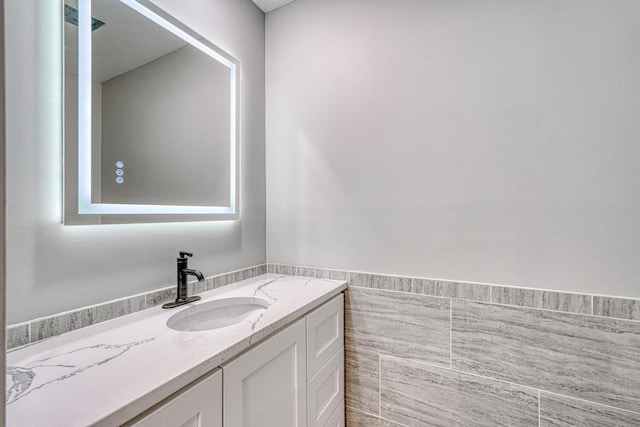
pixel 85 203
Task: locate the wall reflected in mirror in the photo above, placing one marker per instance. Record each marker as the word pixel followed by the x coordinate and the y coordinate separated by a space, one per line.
pixel 154 116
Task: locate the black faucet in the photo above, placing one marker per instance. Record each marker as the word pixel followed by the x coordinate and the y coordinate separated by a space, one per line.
pixel 183 291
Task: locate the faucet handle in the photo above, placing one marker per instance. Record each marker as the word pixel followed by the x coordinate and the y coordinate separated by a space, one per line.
pixel 185 254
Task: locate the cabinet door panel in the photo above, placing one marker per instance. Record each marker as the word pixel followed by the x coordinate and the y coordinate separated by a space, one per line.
pixel 325 334
pixel 337 419
pixel 325 391
pixel 266 387
pixel 198 406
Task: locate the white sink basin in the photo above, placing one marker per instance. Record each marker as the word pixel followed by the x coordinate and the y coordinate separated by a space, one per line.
pixel 218 313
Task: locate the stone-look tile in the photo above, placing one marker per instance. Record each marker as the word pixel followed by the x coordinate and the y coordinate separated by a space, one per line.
pixel 261 269
pixel 17 335
pixel 56 325
pixel 621 308
pixel 356 418
pixel 416 394
pixel 562 411
pixel 548 300
pixel 288 270
pixel 397 323
pixel 119 308
pixel 305 272
pixel 361 378
pixel 271 268
pixel 375 281
pixel 160 297
pixel 587 357
pixel 324 273
pixel 460 290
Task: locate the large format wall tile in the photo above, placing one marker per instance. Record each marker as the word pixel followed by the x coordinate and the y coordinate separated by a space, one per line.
pixel 460 290
pixel 588 357
pixel 356 418
pixel 361 379
pixel 536 298
pixel 415 394
pixel 397 323
pixel 561 411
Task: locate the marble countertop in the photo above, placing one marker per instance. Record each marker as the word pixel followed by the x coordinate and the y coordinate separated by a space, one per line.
pixel 108 373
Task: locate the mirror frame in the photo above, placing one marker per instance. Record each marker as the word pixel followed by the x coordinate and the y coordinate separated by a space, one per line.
pixel 81 209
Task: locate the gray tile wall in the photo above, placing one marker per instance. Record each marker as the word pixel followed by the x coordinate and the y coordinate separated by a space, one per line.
pixel 427 352
pixel 38 329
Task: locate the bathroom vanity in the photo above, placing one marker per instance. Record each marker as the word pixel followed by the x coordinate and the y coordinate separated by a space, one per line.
pixel 281 364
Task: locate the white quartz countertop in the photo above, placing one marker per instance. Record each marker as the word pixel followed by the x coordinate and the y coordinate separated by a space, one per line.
pixel 108 373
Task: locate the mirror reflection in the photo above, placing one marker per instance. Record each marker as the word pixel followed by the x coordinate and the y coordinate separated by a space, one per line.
pixel 158 134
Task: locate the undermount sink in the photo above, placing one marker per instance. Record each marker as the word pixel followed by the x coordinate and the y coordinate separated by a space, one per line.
pixel 218 313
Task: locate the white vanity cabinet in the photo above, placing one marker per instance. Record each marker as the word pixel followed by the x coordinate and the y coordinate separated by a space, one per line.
pixel 293 379
pixel 266 387
pixel 199 405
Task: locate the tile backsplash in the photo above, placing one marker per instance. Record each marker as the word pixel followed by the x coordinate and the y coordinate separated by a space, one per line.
pixel 39 329
pixel 424 352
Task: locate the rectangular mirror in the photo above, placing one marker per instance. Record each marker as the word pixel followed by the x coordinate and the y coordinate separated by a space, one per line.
pixel 151 117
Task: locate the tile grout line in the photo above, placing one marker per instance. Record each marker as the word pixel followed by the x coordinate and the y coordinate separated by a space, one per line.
pixel 538 408
pixel 379 384
pixel 451 333
pixel 347 407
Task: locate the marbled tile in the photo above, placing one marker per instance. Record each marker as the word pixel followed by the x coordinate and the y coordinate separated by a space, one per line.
pixel 56 325
pixel 361 379
pixel 119 308
pixel 548 300
pixel 587 357
pixel 196 287
pixel 17 335
pixel 397 323
pixel 261 269
pixel 271 268
pixel 460 290
pixel 325 273
pixel 389 283
pixel 562 411
pixel 288 270
pixel 160 297
pixel 356 418
pixel 222 280
pixel 416 394
pixel 621 308
pixel 305 271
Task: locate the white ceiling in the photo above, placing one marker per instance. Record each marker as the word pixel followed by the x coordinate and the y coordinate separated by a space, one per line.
pixel 269 5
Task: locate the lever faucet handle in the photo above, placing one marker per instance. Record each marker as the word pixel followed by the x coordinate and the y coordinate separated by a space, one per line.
pixel 185 254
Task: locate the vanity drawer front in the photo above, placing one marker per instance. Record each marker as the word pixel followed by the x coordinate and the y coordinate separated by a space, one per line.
pixel 198 406
pixel 325 334
pixel 337 419
pixel 325 391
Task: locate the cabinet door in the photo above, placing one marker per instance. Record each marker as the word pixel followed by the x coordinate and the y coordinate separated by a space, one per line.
pixel 325 334
pixel 266 387
pixel 198 406
pixel 337 419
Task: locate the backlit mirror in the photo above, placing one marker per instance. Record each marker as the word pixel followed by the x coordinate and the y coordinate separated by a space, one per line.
pixel 151 117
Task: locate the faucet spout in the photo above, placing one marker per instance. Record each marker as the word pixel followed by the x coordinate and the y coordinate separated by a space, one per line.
pixel 196 273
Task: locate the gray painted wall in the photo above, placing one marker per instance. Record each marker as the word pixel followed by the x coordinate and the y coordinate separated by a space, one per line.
pixel 51 267
pixel 492 141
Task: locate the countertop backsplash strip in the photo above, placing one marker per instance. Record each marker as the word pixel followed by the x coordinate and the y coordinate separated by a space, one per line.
pixel 38 329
